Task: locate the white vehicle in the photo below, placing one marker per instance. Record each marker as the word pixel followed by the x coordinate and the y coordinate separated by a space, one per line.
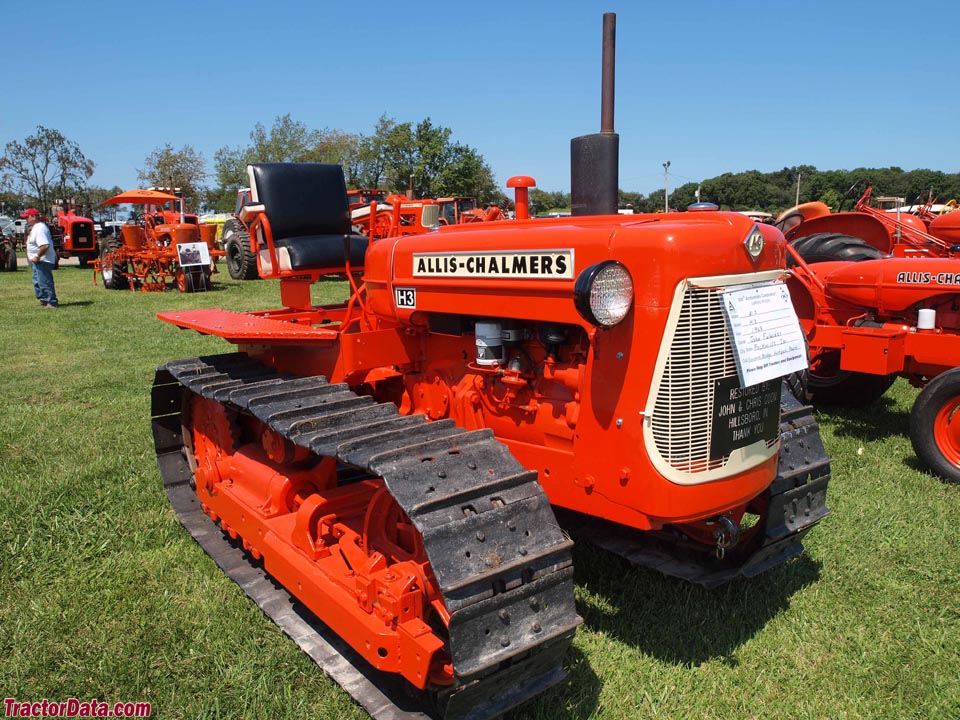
pixel 12 226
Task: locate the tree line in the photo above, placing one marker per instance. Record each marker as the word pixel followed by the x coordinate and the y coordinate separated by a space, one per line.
pixel 46 167
pixel 776 191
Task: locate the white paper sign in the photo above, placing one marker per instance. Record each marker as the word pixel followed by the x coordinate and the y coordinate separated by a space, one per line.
pixel 190 254
pixel 768 341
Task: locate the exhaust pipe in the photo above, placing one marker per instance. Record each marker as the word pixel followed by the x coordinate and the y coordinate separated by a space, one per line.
pixel 595 159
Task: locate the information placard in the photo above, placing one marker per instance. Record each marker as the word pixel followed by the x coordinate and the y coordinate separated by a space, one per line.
pixel 190 254
pixel 768 341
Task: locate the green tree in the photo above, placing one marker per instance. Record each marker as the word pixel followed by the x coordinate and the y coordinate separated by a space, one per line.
pixel 372 156
pixel 439 167
pixel 385 159
pixel 184 169
pixel 338 147
pixel 12 203
pixel 46 166
pixel 287 140
pixel 90 199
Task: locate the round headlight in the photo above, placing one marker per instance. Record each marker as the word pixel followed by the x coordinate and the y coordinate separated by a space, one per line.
pixel 603 293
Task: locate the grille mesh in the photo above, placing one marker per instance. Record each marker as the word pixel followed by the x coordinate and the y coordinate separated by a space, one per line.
pixel 700 353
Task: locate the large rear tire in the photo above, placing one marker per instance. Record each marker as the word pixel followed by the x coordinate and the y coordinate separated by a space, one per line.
pixel 827 384
pixel 830 247
pixel 10 259
pixel 935 425
pixel 241 262
pixel 111 269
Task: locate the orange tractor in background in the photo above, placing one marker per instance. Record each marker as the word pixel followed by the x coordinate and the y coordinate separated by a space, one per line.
pixel 454 210
pixel 74 236
pixel 167 245
pixel 878 295
pixel 870 319
pixel 929 210
pixel 392 463
pixel 891 233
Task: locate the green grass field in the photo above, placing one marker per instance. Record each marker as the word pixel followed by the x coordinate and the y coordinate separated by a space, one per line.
pixel 104 595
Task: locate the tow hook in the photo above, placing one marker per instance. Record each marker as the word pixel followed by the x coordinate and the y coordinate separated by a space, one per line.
pixel 727 535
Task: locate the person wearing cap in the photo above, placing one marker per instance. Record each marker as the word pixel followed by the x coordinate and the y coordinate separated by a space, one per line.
pixel 42 257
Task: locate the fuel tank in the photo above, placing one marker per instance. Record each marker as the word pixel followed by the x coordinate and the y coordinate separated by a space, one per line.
pixel 947 227
pixel 890 284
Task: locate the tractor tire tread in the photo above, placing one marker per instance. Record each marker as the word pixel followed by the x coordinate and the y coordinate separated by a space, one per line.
pixel 433 471
pixel 241 262
pixel 942 389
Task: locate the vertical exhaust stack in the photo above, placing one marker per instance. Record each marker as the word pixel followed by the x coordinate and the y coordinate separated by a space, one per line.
pixel 595 159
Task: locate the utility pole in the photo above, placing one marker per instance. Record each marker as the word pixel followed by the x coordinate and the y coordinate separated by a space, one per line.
pixel 666 193
pixel 799 175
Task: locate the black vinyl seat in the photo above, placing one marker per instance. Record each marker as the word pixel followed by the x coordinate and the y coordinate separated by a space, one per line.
pixel 308 214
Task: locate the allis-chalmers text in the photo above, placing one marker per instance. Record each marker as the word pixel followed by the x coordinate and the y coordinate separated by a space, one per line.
pixel 543 264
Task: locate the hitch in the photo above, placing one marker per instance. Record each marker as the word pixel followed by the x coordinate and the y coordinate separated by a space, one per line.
pixel 727 535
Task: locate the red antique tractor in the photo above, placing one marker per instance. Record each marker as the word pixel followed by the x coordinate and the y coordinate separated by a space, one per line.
pixel 878 294
pixel 454 210
pixel 901 234
pixel 396 216
pixel 74 236
pixel 393 461
pixel 166 245
pixel 869 319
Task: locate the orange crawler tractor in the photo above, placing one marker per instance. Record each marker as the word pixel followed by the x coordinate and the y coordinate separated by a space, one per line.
pixel 392 461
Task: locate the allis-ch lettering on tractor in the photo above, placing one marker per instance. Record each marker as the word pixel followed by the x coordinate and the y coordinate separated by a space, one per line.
pixel 412 477
pixel 556 264
pixel 925 278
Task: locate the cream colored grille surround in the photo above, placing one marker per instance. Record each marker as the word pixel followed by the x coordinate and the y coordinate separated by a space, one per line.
pixel 696 351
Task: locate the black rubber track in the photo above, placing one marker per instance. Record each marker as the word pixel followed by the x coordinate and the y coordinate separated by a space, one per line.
pixel 504 568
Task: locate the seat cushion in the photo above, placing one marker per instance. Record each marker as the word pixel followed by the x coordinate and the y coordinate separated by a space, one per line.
pixel 309 252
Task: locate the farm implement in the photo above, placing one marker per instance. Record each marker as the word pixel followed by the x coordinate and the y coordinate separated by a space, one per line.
pixel 166 246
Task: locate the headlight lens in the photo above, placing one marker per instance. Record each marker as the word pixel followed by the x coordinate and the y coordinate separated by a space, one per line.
pixel 603 293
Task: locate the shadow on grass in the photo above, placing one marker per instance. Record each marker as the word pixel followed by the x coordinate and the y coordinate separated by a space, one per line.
pixel 678 622
pixel 77 303
pixel 578 696
pixel 876 421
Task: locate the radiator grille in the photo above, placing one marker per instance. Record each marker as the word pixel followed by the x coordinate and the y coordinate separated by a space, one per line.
pixel 700 353
pixel 82 235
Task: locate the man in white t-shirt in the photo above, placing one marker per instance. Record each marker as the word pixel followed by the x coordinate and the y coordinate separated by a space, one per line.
pixel 42 257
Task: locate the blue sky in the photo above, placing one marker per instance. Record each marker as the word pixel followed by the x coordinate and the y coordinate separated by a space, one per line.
pixel 712 87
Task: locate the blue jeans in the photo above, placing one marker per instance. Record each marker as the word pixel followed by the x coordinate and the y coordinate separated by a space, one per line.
pixel 43 283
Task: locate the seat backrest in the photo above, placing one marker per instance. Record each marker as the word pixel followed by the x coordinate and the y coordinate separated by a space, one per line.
pixel 301 199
